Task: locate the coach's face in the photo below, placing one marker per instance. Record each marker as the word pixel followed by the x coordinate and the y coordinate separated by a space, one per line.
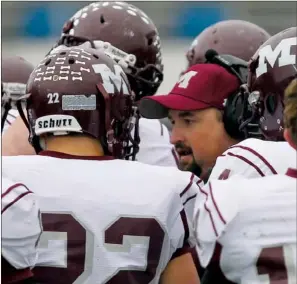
pixel 198 137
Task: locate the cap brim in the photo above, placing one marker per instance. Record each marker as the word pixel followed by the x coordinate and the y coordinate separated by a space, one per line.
pixel 157 107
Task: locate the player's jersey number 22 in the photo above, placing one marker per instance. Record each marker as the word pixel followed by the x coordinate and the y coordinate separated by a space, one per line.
pixel 78 249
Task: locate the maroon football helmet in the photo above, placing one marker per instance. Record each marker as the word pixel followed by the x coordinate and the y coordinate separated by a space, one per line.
pixel 233 37
pixel 15 72
pixel 271 70
pixel 130 31
pixel 80 90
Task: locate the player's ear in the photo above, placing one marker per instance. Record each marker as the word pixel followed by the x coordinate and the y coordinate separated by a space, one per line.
pixel 288 137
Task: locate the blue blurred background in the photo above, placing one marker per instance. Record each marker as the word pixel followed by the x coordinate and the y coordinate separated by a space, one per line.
pixel 29 29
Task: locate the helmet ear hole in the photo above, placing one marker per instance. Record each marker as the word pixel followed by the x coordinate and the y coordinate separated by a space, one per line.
pixel 71 61
pixel 47 62
pixel 150 41
pixel 271 103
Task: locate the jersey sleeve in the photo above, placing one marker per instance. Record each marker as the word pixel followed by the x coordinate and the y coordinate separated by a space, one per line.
pixel 217 206
pixel 21 224
pixel 155 147
pixel 187 195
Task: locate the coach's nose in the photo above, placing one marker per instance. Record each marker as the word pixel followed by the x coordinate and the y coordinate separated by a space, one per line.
pixel 176 135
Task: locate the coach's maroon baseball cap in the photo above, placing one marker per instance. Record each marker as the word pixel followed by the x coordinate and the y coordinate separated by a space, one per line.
pixel 201 86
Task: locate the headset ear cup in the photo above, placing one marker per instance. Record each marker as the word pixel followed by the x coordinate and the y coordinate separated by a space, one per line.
pixel 232 112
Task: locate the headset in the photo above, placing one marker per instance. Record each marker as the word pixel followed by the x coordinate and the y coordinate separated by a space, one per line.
pixel 236 107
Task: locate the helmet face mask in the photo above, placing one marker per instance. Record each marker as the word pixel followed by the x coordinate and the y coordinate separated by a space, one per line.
pixel 271 70
pixel 103 21
pixel 81 90
pixel 15 73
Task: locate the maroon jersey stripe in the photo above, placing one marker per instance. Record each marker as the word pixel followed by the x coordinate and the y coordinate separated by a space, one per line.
pixel 175 157
pixel 248 162
pixel 188 186
pixel 215 204
pixel 208 210
pixel 17 198
pixel 258 155
pixel 14 201
pixel 11 188
pixel 189 198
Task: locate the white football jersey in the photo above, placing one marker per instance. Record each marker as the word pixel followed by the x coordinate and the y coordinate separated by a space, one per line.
pixel 108 221
pixel 253 158
pixel 21 224
pixel 12 115
pixel 155 147
pixel 246 229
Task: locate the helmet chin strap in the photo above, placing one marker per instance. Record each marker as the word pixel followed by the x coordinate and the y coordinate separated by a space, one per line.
pixel 115 143
pixel 249 116
pixel 110 139
pixel 34 140
pixel 134 123
pixel 10 93
pixel 42 143
pixel 20 104
pixel 6 107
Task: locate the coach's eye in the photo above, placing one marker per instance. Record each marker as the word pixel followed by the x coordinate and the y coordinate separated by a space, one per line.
pixel 188 121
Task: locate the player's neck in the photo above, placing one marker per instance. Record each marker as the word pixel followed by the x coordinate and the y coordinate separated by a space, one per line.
pixel 77 146
pixel 229 141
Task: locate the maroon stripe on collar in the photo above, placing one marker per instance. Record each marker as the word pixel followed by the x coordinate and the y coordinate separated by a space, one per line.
pixel 68 156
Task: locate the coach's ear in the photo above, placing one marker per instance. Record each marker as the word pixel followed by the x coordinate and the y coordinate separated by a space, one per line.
pixel 288 137
pixel 180 270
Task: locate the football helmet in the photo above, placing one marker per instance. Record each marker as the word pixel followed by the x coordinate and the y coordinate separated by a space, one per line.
pixel 126 30
pixel 80 90
pixel 233 37
pixel 271 69
pixel 15 72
